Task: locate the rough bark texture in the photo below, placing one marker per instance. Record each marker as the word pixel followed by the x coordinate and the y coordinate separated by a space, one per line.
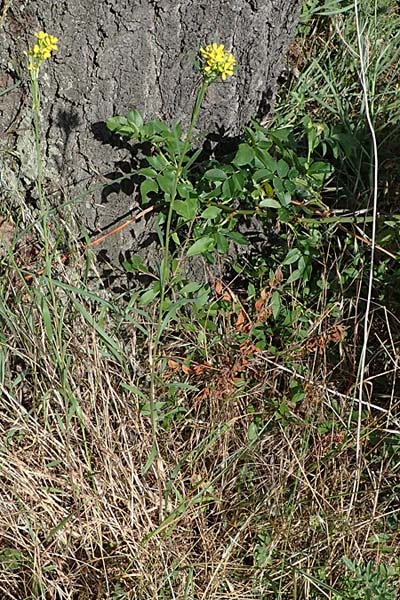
pixel 118 54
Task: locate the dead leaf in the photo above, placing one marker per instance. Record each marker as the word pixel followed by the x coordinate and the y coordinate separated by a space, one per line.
pixel 261 306
pixel 201 368
pixel 174 365
pixel 336 334
pixel 243 322
pixel 278 276
pixel 218 287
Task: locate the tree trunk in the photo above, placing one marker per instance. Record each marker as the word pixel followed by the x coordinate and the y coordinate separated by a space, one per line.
pixel 118 54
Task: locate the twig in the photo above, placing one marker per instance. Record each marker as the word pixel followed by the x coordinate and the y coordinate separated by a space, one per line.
pixel 366 240
pixel 97 240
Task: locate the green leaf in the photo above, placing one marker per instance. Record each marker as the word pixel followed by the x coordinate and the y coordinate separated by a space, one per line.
pixel 262 175
pixel 252 432
pixel 146 408
pixel 294 276
pixel 158 162
pixel 290 187
pixel 347 141
pixel 222 243
pixel 319 172
pixel 275 304
pixel 147 172
pixel 175 238
pixel 266 159
pixel 134 389
pixel 11 559
pixel 128 131
pixel 121 126
pixel 46 318
pixel 292 256
pixel 280 135
pixel 186 208
pixel 147 186
pixel 267 187
pixel 192 159
pixel 228 189
pixel 189 288
pixel 282 168
pixel 278 185
pixel 202 299
pixel 135 263
pixel 151 458
pixel 185 189
pixel 211 212
pixel 135 119
pixel 167 181
pixel 148 296
pixel 114 123
pixel 238 181
pixel 269 203
pixel 204 244
pixel 244 155
pixel 237 237
pixel 215 175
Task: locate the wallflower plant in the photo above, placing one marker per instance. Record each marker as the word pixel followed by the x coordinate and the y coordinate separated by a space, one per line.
pixel 216 62
pixel 168 173
pixel 40 51
pixel 200 206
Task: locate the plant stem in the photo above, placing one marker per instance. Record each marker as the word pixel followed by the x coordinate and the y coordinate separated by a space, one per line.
pixel 164 274
pixel 165 263
pixel 39 166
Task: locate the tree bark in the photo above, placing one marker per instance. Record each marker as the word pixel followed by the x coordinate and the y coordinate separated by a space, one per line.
pixel 118 54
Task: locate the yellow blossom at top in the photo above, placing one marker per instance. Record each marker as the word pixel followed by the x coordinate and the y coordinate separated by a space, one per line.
pixel 218 62
pixel 42 49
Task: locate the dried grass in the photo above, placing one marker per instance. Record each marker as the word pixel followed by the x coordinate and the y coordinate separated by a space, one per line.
pixel 241 518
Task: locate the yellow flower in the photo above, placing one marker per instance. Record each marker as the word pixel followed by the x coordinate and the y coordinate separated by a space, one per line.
pixel 41 50
pixel 217 62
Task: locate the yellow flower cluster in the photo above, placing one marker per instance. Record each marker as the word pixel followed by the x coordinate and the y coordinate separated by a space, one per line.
pixel 217 61
pixel 44 46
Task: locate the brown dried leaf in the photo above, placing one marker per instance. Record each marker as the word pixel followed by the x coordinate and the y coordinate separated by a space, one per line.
pixel 278 276
pixel 242 322
pixel 336 334
pixel 201 368
pixel 218 287
pixel 174 365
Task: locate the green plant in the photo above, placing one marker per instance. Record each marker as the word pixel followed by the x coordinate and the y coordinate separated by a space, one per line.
pixel 368 581
pixel 45 44
pixel 327 87
pixel 267 179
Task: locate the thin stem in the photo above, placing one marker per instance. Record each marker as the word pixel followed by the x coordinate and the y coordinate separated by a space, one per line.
pixel 36 129
pixel 164 277
pixel 165 266
pixel 165 260
pixel 39 166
